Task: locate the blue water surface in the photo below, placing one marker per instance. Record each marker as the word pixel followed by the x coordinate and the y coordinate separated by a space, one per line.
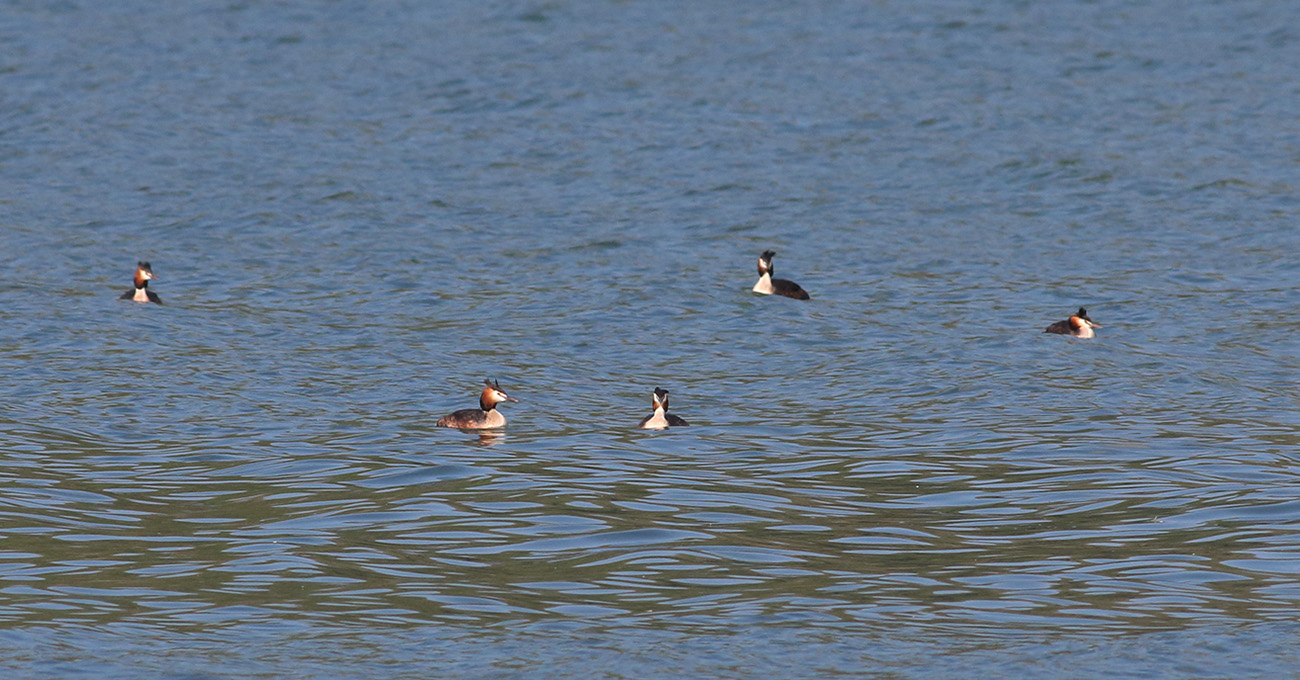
pixel 358 211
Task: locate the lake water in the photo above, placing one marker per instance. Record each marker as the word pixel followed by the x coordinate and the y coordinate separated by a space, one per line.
pixel 358 211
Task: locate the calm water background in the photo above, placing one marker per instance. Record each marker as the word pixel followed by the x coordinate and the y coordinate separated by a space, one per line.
pixel 357 211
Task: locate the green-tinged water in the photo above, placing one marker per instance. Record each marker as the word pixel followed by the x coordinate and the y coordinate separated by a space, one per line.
pixel 359 211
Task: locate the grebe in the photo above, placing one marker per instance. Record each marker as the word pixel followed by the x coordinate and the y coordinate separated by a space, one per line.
pixel 769 286
pixel 483 417
pixel 141 292
pixel 1079 325
pixel 661 418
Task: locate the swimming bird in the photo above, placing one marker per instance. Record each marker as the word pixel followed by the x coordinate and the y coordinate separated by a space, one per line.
pixel 141 292
pixel 483 417
pixel 1078 325
pixel 661 418
pixel 769 286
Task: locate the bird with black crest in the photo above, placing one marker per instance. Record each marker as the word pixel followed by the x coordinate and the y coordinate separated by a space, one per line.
pixel 486 415
pixel 141 292
pixel 1078 325
pixel 769 286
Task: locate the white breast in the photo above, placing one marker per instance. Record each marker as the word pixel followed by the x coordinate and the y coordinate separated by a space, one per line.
pixel 141 295
pixel 764 285
pixel 658 421
pixel 494 419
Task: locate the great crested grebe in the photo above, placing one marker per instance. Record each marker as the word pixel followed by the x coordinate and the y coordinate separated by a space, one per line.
pixel 141 292
pixel 1078 325
pixel 485 416
pixel 661 418
pixel 769 286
